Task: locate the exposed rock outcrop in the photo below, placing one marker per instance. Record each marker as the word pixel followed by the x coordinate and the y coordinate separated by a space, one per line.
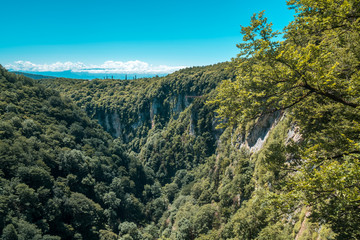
pixel 258 133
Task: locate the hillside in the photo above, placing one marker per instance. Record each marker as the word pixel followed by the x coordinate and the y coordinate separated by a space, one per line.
pixel 33 76
pixel 221 174
pixel 264 147
pixel 130 108
pixel 150 185
pixel 62 176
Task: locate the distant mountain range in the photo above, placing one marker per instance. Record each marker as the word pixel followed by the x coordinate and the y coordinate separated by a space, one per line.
pixel 33 76
pixel 84 75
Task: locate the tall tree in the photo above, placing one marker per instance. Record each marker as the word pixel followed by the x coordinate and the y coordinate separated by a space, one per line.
pixel 313 75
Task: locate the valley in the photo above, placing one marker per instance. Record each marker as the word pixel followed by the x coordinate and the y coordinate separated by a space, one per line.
pixel 265 146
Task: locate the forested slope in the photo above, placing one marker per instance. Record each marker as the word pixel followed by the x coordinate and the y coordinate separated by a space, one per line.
pixel 212 183
pixel 130 108
pixel 284 165
pixel 62 176
pixel 313 75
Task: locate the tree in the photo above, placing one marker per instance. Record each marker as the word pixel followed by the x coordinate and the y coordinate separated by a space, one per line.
pixel 107 235
pixel 186 230
pixel 204 219
pixel 129 230
pixel 85 215
pixel 9 233
pixel 313 75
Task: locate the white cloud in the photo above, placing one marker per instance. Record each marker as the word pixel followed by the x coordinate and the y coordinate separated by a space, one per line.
pixel 129 67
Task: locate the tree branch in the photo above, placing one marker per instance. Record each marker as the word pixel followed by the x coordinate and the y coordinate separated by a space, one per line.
pixel 331 96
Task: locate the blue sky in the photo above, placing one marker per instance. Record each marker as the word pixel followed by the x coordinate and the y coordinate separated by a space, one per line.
pixel 41 33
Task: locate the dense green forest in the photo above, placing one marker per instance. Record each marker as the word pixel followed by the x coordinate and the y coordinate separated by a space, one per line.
pixel 61 173
pixel 128 109
pixel 263 147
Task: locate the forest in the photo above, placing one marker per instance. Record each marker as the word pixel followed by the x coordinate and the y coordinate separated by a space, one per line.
pixel 265 146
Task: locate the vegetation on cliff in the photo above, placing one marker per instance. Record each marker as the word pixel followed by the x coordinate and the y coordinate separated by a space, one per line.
pixel 130 108
pixel 314 75
pixel 284 165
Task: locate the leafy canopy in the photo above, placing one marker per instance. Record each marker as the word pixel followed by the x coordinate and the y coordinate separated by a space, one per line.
pixel 313 75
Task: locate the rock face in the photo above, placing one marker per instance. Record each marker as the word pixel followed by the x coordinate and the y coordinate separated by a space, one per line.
pixel 110 121
pixel 293 134
pixel 258 134
pixel 154 110
pixel 164 109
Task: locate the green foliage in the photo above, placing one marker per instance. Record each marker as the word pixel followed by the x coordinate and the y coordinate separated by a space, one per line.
pixel 61 175
pixel 129 230
pixel 205 219
pixel 285 165
pixel 177 147
pixel 314 75
pixel 9 233
pixel 129 109
pixel 107 235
